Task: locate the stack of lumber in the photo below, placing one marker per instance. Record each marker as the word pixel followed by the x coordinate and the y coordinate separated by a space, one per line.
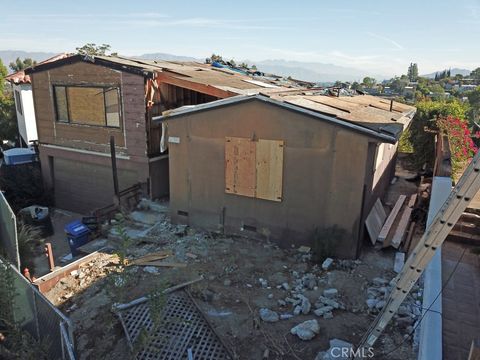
pixel 398 224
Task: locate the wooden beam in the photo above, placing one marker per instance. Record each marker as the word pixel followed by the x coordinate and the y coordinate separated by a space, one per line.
pixel 391 218
pixel 163 77
pixel 403 224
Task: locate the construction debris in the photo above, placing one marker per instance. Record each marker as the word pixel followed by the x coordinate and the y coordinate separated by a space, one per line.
pixel 306 330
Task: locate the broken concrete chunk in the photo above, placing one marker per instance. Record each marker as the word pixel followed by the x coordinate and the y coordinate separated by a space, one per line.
pixel 371 303
pixel 339 349
pixel 151 269
pixel 327 264
pixel 378 281
pixel 304 249
pixel 285 286
pixel 263 282
pixel 322 310
pixel 330 293
pixel 285 316
pixel 297 310
pixel 268 315
pixel 227 282
pixel 328 315
pixel 306 330
pixel 306 306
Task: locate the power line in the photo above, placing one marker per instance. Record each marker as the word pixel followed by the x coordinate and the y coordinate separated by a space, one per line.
pixel 428 309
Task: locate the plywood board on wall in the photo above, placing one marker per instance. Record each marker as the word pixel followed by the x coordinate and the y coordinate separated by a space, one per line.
pixel 269 167
pixel 240 174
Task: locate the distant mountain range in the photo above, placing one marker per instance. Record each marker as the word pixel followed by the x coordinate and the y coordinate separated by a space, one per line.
pixel 309 71
pixel 453 72
pixel 8 56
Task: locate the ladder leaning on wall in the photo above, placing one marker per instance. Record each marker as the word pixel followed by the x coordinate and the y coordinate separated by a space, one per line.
pixel 432 239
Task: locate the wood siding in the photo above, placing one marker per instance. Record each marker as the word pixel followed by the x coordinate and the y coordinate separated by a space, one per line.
pixel 324 168
pixel 130 139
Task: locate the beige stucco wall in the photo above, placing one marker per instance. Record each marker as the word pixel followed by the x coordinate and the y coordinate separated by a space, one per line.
pixel 323 174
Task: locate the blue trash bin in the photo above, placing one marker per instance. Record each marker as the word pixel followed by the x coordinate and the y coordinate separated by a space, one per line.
pixel 77 235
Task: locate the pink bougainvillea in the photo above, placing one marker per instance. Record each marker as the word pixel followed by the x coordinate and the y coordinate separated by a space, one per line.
pixel 459 135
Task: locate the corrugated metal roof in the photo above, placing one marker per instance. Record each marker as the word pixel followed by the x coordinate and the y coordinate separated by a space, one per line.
pixel 204 74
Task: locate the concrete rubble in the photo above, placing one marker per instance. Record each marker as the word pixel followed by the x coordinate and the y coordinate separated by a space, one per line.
pixel 338 349
pixel 292 292
pixel 306 330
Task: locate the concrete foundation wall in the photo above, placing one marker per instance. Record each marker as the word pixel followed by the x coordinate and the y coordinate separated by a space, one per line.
pixel 323 175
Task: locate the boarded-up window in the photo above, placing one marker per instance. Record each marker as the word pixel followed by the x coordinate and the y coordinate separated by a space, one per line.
pixel 61 103
pixel 269 159
pixel 240 166
pixel 112 107
pixel 254 168
pixel 88 105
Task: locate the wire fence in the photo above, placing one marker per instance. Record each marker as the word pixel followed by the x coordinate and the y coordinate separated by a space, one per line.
pixel 8 232
pixel 34 313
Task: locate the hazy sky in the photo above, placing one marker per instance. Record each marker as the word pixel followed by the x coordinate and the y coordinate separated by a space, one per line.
pixel 382 36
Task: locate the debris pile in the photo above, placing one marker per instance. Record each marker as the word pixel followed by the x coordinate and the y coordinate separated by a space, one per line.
pixel 408 313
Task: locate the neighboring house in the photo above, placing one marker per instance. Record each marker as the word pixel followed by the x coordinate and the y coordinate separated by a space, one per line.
pixel 83 101
pixel 22 90
pixel 284 165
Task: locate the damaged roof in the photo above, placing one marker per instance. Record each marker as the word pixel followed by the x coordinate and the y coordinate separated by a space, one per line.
pixel 373 116
pixel 20 77
pixel 225 79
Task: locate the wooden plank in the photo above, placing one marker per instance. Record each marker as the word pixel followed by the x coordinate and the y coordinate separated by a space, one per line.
pixel 269 169
pixel 391 218
pixel 375 220
pixel 403 224
pixel 240 174
pixel 409 239
pixel 162 264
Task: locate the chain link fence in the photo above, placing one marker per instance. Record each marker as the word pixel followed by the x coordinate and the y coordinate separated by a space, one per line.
pixel 35 314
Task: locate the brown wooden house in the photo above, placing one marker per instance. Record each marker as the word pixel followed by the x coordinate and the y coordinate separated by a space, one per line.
pixel 81 101
pixel 284 166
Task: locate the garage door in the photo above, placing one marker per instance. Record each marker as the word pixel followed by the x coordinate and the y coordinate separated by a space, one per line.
pixel 83 187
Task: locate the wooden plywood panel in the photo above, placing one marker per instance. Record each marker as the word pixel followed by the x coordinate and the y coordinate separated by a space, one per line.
pixel 375 220
pixel 391 218
pixel 269 159
pixel 240 166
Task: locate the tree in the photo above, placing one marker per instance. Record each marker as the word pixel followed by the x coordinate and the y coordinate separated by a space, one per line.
pixel 19 64
pixel 355 86
pixel 8 119
pixel 93 49
pixel 413 72
pixel 3 74
pixel 475 74
pixel 369 82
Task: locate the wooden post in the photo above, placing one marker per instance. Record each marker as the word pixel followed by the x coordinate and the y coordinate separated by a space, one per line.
pixel 114 165
pixel 49 254
pixel 391 105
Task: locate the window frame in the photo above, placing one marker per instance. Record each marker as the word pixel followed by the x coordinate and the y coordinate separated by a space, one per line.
pixel 104 87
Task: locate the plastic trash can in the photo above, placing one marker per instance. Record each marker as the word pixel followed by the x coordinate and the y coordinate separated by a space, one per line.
pixel 39 217
pixel 77 235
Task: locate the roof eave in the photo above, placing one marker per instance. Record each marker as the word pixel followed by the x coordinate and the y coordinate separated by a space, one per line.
pixel 91 60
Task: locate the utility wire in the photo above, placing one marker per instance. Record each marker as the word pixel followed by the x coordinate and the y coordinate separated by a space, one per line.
pixel 428 309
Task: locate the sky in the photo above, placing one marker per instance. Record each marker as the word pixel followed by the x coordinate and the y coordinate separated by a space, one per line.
pixel 376 36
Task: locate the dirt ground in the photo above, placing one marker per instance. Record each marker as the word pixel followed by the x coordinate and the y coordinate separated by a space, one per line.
pixel 240 277
pixel 230 294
